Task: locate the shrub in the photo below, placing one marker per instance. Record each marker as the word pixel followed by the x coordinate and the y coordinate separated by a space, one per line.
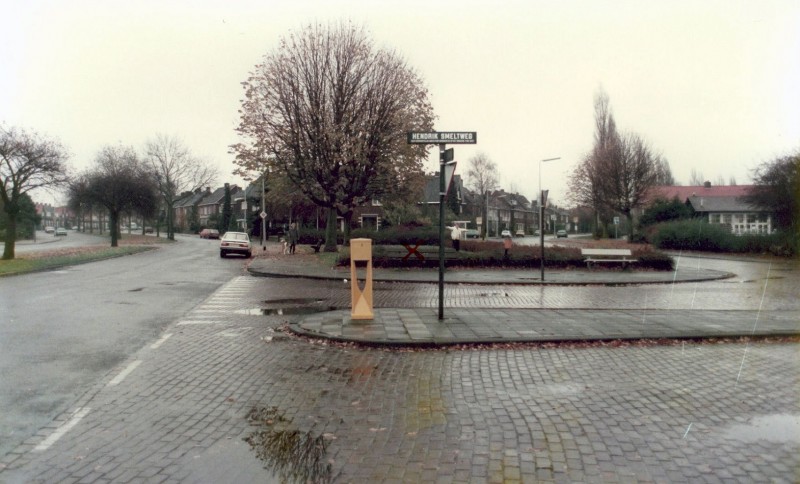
pixel 479 254
pixel 702 236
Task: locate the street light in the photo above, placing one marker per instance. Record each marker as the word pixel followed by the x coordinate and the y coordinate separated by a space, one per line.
pixel 541 216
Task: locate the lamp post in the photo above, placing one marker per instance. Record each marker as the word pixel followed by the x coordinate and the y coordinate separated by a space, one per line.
pixel 541 216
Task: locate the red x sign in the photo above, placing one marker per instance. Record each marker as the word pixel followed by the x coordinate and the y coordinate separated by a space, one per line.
pixel 413 250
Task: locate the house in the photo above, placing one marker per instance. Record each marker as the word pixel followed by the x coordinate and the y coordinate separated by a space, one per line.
pixel 721 205
pixel 184 206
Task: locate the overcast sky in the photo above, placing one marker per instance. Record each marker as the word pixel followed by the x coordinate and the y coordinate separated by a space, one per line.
pixel 712 85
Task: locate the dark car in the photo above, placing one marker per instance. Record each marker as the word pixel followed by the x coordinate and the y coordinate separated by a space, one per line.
pixel 561 233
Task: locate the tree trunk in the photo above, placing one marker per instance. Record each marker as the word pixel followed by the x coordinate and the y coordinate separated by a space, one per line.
pixel 629 216
pixel 330 231
pixel 348 219
pixel 11 236
pixel 114 228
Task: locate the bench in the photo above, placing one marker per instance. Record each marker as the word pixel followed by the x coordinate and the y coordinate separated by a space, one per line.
pixel 317 246
pixel 622 256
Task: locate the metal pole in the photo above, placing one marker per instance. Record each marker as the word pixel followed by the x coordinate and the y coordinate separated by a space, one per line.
pixel 263 209
pixel 541 237
pixel 442 148
pixel 541 216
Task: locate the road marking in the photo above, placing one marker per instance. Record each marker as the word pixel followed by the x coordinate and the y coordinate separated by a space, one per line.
pixel 198 321
pixel 160 341
pixel 127 371
pixel 62 429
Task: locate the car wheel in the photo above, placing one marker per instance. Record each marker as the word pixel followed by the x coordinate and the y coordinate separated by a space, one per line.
pixel 222 253
pixel 249 255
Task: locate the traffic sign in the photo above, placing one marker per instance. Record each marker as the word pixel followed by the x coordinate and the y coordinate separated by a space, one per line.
pixel 442 137
pixel 263 214
pixel 449 155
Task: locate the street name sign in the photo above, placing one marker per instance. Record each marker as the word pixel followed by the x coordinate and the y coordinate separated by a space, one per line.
pixel 443 137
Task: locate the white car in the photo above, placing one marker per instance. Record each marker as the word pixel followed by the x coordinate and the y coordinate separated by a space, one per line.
pixel 505 233
pixel 235 243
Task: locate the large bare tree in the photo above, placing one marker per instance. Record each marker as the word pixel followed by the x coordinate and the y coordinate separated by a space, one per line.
pixel 175 171
pixel 331 111
pixel 483 177
pixel 629 169
pixel 27 161
pixel 620 169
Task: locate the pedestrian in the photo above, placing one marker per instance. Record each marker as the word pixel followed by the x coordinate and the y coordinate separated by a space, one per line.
pixel 455 235
pixel 293 237
pixel 506 245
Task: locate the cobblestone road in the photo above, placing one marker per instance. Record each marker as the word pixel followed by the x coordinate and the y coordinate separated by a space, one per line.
pixel 177 411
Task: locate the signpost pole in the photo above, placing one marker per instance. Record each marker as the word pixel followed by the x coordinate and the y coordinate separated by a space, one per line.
pixel 442 190
pixel 442 138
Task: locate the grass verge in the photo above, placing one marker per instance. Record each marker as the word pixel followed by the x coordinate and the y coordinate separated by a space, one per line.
pixel 53 260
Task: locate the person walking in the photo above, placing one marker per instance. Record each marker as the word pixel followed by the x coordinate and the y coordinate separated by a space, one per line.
pixel 507 242
pixel 455 236
pixel 294 236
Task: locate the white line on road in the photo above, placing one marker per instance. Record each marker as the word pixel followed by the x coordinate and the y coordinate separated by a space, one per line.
pixel 160 341
pixel 127 371
pixel 198 321
pixel 62 429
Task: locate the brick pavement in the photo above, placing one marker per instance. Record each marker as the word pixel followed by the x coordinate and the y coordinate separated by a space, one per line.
pixel 176 411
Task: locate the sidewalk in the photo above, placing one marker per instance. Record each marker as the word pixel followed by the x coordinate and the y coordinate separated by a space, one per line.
pixel 420 326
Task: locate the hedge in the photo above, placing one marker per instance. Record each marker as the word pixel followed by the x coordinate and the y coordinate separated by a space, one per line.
pixel 479 254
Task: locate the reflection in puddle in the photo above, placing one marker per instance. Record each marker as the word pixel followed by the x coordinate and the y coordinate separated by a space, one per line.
pixel 280 311
pixel 774 428
pixel 295 456
pixel 286 307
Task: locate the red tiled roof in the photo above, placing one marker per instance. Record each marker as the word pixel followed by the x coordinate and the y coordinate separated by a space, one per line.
pixel 683 193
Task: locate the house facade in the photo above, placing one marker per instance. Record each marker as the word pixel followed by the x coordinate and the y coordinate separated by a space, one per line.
pixel 720 205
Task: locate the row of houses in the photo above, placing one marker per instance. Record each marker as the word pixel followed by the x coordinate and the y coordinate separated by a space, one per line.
pixel 722 205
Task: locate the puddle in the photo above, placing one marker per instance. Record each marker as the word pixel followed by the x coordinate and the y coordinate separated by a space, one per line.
pixel 282 311
pixel 293 455
pixel 286 307
pixel 773 428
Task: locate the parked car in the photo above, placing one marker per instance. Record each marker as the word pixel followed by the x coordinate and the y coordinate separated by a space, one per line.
pixel 235 243
pixel 505 233
pixel 520 233
pixel 60 231
pixel 209 234
pixel 148 230
pixel 561 233
pixel 49 229
pixel 471 234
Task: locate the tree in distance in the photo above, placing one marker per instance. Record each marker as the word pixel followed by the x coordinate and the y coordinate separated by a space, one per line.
pixel 27 161
pixel 483 178
pixel 330 111
pixel 776 188
pixel 175 171
pixel 120 182
pixel 620 169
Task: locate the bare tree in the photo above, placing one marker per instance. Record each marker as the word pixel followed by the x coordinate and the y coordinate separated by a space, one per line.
pixel 331 111
pixel 696 179
pixel 120 182
pixel 629 170
pixel 483 178
pixel 175 171
pixel 27 161
pixel 619 170
pixel 586 181
pixel 663 172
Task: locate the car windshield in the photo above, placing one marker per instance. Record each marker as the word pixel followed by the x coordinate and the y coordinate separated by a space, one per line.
pixel 236 236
